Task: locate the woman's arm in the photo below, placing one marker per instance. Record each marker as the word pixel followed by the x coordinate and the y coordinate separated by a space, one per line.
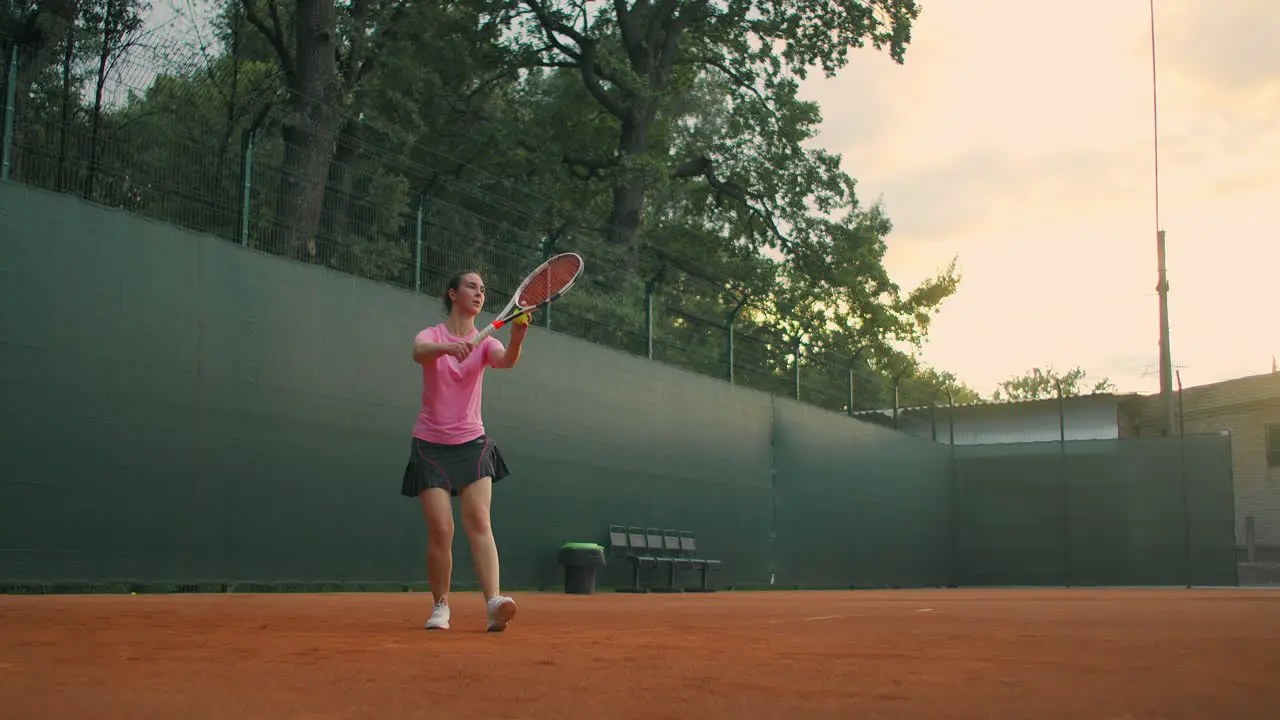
pixel 508 357
pixel 425 351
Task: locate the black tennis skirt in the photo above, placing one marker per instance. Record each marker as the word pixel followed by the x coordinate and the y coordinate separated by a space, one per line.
pixel 451 467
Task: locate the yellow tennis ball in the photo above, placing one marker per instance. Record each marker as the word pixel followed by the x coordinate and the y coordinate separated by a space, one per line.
pixel 524 319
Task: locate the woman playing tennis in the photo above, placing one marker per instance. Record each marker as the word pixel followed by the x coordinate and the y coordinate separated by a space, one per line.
pixel 451 456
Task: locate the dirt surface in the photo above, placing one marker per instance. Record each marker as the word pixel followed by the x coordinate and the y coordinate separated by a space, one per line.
pixel 1109 654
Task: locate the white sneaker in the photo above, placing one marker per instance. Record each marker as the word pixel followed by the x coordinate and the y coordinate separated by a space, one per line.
pixel 439 617
pixel 500 610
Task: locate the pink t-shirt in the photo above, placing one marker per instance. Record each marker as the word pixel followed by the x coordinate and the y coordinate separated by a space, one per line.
pixel 451 391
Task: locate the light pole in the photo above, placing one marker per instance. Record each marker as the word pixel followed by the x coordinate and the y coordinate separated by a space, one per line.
pixel 1162 279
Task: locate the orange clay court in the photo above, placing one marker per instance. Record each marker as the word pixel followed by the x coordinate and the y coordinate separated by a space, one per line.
pixel 1096 654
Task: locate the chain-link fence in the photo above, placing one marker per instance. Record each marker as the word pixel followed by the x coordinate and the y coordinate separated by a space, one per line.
pixel 216 145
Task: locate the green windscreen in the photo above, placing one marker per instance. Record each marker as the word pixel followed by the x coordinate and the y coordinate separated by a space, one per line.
pixel 859 505
pixel 1147 511
pixel 181 409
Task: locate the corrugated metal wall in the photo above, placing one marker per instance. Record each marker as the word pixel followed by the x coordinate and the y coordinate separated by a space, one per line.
pixel 1086 418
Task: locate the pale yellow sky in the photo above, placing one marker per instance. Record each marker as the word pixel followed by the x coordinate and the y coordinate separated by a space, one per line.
pixel 1018 137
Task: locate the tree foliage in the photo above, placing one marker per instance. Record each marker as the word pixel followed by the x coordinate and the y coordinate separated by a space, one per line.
pixel 1039 384
pixel 664 139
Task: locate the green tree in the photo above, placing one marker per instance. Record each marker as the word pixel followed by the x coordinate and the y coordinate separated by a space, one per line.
pixel 744 230
pixel 1043 383
pixel 715 266
pixel 325 51
pixel 929 384
pixel 635 58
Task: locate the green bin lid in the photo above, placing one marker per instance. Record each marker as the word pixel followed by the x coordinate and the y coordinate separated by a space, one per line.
pixel 582 546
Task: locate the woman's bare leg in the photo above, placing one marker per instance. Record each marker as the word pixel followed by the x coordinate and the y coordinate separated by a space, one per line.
pixel 438 513
pixel 476 500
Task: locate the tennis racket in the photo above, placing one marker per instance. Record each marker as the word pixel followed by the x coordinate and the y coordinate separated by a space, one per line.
pixel 548 282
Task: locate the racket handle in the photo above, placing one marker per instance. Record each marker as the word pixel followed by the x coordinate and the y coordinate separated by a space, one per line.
pixel 486 332
pixel 488 329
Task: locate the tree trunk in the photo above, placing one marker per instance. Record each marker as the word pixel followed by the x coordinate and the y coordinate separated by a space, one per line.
pixel 64 126
pixel 311 127
pixel 626 217
pixel 227 183
pixel 309 140
pixel 104 54
pixel 37 35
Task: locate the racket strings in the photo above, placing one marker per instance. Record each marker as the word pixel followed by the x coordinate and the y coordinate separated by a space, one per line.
pixel 549 281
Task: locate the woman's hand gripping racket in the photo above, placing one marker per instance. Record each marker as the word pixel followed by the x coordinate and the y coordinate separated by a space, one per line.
pixel 548 282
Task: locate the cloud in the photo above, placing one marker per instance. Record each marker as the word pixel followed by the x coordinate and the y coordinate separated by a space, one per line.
pixel 984 189
pixel 1219 91
pixel 1227 47
pixel 1002 115
pixel 999 114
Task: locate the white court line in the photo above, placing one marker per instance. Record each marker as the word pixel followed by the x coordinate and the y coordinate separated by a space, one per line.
pixel 783 621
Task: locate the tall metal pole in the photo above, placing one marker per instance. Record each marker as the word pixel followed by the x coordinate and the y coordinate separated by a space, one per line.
pixel 1162 283
pixel 1166 356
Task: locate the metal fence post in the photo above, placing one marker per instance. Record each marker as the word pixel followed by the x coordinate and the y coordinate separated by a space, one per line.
pixel 548 245
pixel 897 398
pixel 1250 539
pixel 957 572
pixel 648 318
pixel 951 419
pixel 1062 415
pixel 10 108
pixel 1189 567
pixel 417 256
pixel 729 327
pixel 1065 479
pixel 246 204
pixel 731 324
pixel 799 344
pixel 850 389
pixel 853 360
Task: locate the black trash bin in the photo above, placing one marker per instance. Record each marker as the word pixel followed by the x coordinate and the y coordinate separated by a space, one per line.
pixel 581 561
